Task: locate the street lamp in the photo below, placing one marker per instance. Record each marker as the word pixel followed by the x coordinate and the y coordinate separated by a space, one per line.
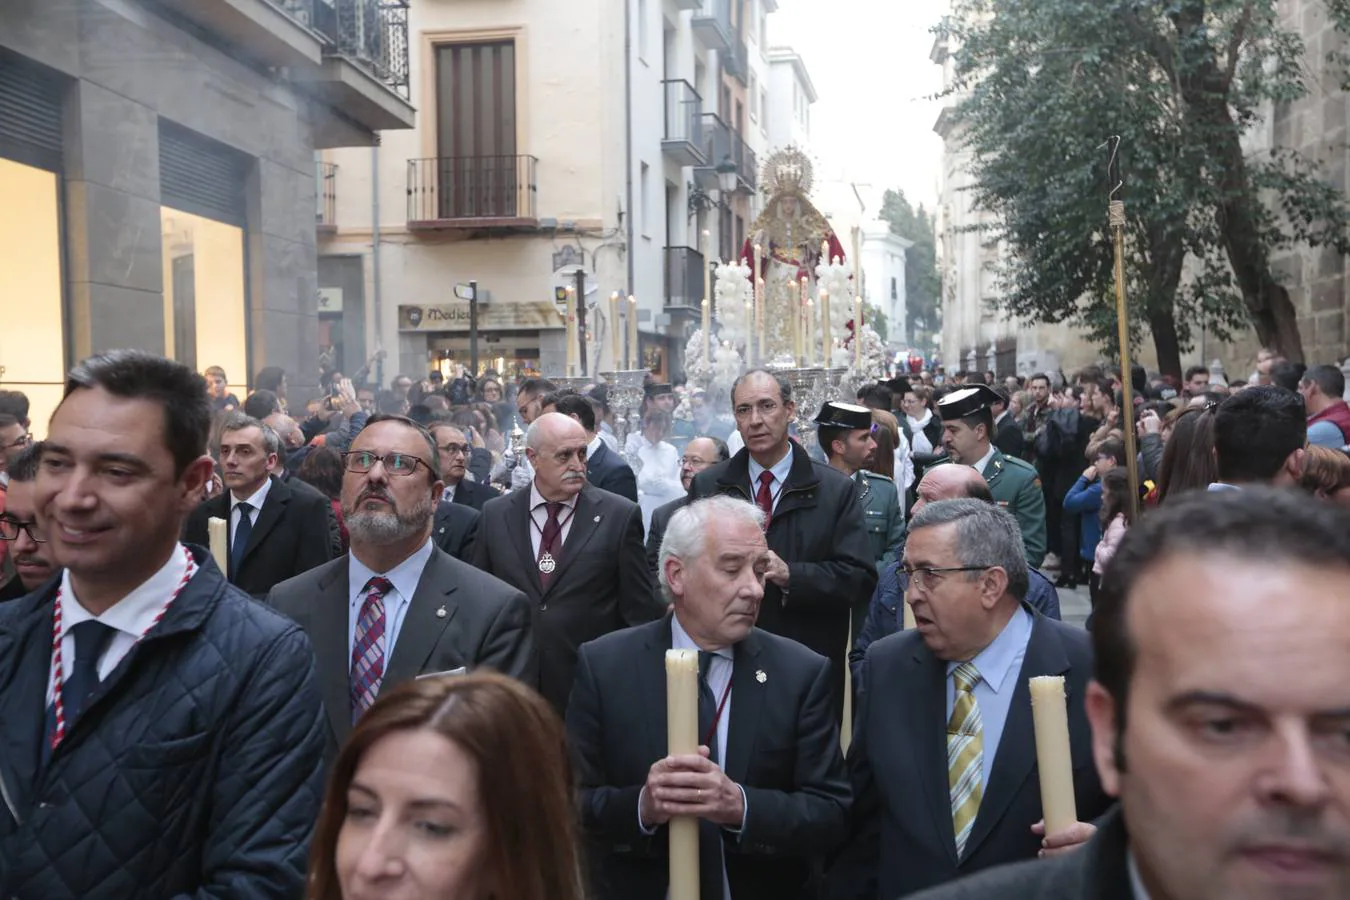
pixel 704 201
pixel 726 175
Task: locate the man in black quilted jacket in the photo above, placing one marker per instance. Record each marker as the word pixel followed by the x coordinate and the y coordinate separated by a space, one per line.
pixel 162 734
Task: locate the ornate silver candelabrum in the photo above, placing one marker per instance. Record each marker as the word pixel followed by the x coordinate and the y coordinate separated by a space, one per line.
pixel 625 401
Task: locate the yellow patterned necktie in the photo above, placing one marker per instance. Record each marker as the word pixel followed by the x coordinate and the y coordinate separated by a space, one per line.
pixel 965 754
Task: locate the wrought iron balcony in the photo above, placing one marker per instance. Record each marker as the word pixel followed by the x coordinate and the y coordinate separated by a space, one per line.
pixel 472 192
pixel 747 163
pixel 712 24
pixel 721 141
pixel 326 183
pixel 736 58
pixel 683 138
pixel 684 277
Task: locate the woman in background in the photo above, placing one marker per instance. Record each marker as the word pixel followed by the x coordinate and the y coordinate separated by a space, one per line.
pixel 322 469
pixel 1188 456
pixel 455 787
pixel 1116 519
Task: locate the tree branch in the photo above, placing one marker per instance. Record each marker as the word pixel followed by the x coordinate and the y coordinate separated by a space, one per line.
pixel 1235 44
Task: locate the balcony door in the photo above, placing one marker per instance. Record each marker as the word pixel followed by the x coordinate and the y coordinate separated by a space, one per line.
pixel 478 170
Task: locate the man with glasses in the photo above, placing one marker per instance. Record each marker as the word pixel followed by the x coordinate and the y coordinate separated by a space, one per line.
pixel 452 450
pixel 32 561
pixel 14 439
pixel 700 454
pixel 396 607
pixel 930 807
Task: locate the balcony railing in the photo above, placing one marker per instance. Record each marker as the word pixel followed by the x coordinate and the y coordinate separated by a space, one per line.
pixel 747 163
pixel 472 192
pixel 326 183
pixel 684 277
pixel 373 33
pixel 721 141
pixel 736 58
pixel 712 23
pixel 684 123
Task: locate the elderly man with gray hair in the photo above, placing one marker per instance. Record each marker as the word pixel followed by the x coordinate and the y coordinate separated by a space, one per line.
pixel 943 754
pixel 768 784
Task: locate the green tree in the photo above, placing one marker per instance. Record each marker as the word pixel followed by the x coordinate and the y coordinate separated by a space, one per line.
pixel 1181 82
pixel 923 287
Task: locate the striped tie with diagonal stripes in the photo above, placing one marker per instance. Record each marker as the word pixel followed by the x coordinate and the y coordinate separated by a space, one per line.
pixel 965 754
pixel 368 651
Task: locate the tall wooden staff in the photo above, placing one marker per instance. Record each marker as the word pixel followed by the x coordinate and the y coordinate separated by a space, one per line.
pixel 1116 211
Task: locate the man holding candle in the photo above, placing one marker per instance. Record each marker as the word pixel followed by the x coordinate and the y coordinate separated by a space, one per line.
pixel 943 750
pixel 767 785
pixel 820 561
pixel 1219 717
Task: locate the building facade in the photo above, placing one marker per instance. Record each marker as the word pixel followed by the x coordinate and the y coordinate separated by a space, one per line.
pixel 791 95
pixel 883 278
pixel 158 178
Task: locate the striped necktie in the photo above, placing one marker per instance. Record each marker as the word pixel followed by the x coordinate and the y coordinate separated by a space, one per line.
pixel 965 754
pixel 369 651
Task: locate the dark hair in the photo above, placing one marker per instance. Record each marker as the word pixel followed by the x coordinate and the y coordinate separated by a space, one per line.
pixel 784 386
pixel 322 469
pixel 525 783
pixel 983 417
pixel 1287 375
pixel 269 379
pixel 532 386
pixel 239 421
pixel 1004 395
pixel 1330 380
pixel 886 432
pixel 137 375
pixel 1188 457
pixel 1138 379
pixel 600 394
pixel 1039 376
pixel 1274 526
pixel 15 403
pixel 261 404
pixel 826 435
pixel 433 459
pixel 1112 447
pixel 570 403
pixel 875 396
pixel 24 467
pixel 1194 371
pixel 1255 431
pixel 1116 496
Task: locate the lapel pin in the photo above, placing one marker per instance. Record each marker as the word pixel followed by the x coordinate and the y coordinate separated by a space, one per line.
pixel 597 518
pixel 760 676
pixel 441 613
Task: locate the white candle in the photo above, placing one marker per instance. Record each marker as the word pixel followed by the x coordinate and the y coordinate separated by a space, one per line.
pixel 707 300
pixel 218 531
pixel 615 331
pixel 1054 759
pixel 682 737
pixel 826 338
pixel 571 332
pixel 633 350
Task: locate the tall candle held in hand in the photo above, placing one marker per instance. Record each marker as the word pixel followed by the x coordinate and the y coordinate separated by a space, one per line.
pixel 218 532
pixel 1049 711
pixel 634 351
pixel 682 736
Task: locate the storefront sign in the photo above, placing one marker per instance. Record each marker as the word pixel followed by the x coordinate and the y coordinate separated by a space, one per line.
pixel 491 317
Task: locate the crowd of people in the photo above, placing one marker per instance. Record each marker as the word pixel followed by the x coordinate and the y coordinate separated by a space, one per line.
pixel 427 661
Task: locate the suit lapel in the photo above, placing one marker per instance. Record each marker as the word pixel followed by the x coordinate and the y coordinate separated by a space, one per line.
pixel 585 522
pixel 328 633
pixel 520 526
pixel 1016 758
pixel 423 624
pixel 926 721
pixel 747 702
pixel 268 517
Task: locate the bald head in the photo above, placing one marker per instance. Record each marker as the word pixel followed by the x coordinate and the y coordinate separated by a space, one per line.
pixel 286 428
pixel 951 482
pixel 556 447
pixel 552 429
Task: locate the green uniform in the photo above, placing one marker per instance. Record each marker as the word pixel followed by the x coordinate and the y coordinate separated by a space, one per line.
pixel 881 511
pixel 1017 488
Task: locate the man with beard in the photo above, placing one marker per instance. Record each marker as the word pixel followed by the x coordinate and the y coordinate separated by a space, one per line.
pixel 275 530
pixel 396 607
pixel 33 565
pixel 1219 718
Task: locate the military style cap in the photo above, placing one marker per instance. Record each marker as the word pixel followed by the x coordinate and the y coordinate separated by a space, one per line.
pixel 656 390
pixel 966 402
pixel 844 415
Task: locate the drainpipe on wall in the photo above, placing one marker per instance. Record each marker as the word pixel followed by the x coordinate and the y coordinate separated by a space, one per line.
pixel 375 295
pixel 628 128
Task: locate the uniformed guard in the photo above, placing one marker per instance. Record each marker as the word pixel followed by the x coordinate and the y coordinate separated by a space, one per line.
pixel 846 438
pixel 967 428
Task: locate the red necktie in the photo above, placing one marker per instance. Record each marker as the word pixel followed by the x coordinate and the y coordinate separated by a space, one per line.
pixel 764 496
pixel 550 543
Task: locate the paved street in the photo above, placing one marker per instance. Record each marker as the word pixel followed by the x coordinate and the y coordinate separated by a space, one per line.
pixel 1074 605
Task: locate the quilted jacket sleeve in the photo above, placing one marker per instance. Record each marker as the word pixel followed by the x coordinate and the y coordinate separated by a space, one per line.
pixel 267 794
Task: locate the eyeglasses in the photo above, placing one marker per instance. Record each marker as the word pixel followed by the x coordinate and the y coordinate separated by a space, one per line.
pixel 693 461
pixel 21 441
pixel 765 407
pixel 361 462
pixel 925 577
pixel 10 528
pixel 456 449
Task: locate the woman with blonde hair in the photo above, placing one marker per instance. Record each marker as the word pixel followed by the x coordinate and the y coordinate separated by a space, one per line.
pixel 455 787
pixel 1326 474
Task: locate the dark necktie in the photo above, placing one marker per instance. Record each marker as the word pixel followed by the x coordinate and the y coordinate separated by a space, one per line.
pixel 91 639
pixel 550 542
pixel 242 532
pixel 709 833
pixel 764 496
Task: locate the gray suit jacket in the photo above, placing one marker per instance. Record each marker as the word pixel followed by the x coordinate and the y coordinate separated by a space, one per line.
pixel 486 623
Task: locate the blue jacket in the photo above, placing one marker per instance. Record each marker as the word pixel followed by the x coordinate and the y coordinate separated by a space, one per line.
pixel 885 617
pixel 1085 499
pixel 194 771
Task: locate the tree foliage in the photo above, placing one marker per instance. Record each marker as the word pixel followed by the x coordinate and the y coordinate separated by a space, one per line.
pixel 1182 83
pixel 923 287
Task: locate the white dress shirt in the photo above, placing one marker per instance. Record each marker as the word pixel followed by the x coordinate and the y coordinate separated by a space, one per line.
pixel 594 446
pixel 998 665
pixel 448 495
pixel 256 500
pixel 983 465
pixel 539 515
pixel 130 617
pixel 404 577
pixel 780 472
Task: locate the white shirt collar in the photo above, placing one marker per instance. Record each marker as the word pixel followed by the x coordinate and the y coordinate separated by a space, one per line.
pixel 136 612
pixel 594 446
pixel 1000 417
pixel 448 495
pixel 995 662
pixel 779 469
pixel 680 640
pixel 537 499
pixel 1136 880
pixel 258 498
pixel 984 460
pixel 404 576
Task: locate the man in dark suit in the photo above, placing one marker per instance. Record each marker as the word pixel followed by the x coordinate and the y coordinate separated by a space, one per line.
pixel 397 607
pixel 1229 785
pixel 933 803
pixel 820 560
pixel 455 530
pixel 699 454
pixel 275 530
pixel 575 550
pixel 605 469
pixel 768 785
pixel 453 449
pixel 1008 435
